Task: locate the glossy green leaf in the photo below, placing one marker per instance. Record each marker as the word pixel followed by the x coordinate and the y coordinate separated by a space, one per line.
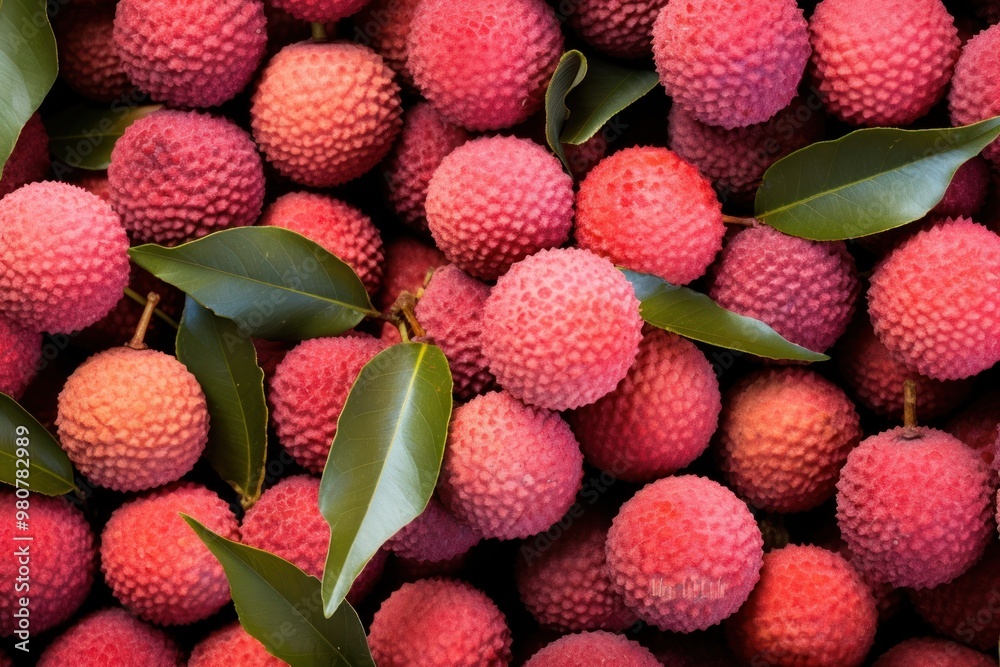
pixel 282 607
pixel 28 67
pixel 25 445
pixel 867 182
pixel 225 364
pixel 272 282
pixel 606 90
pixel 82 136
pixel 693 315
pixel 569 74
pixel 385 458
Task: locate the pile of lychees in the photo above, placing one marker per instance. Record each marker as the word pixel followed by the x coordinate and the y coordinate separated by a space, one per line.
pixel 611 493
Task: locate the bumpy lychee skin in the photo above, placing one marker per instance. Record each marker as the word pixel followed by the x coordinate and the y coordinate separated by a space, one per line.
pixel 62 562
pixel 933 300
pixel 484 64
pixel 132 420
pixel 731 64
pixel 509 470
pixel 64 263
pixel 810 607
pixel 967 191
pixel 803 289
pixel 434 536
pixel 975 88
pixel 324 114
pixel 685 553
pixel 495 201
pixel 561 329
pixel 932 652
pixel 29 161
pixel 648 210
pixel 180 175
pixel 309 389
pixel 620 29
pixel 20 352
pixel 340 228
pixel 437 622
pixel 112 637
pixel 913 507
pixel 320 11
pixel 407 262
pixel 88 57
pixel 232 645
pixel 977 425
pixel 154 562
pixel 385 26
pixel 199 53
pixel 593 648
pixel 658 419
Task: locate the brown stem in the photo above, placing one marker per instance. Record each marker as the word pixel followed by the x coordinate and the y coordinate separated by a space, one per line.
pixel 741 222
pixel 910 408
pixel 140 330
pixel 318 32
pixel 411 319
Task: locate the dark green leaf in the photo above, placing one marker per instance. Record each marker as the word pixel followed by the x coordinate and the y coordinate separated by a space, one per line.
pixel 282 607
pixel 273 283
pixel 82 136
pixel 225 364
pixel 569 73
pixel 49 471
pixel 695 316
pixel 385 458
pixel 866 182
pixel 606 90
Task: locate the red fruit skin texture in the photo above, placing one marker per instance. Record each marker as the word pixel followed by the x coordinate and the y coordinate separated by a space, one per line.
pixel 427 139
pixel 696 649
pixel 567 587
pixel 932 652
pixel 509 470
pixel 646 209
pixel 154 562
pixel 933 300
pixel 561 329
pixel 63 261
pixel 484 64
pixel 685 553
pixel 407 262
pixel 451 312
pixel 29 161
pixel 784 435
pixel 439 623
pixel 338 227
pixel 882 63
pixel 325 113
pixel 309 389
pixel 803 289
pixel 495 201
pixel 20 352
pixel 112 637
pixel 593 648
pixel 914 508
pixel 975 88
pixel 62 556
pixel 320 11
pixel 199 53
pixel 620 28
pixel 967 192
pixel 659 419
pixel 977 426
pixel 232 645
pixel 810 607
pixel 132 420
pixel 731 64
pixel 88 58
pixel 176 176
pixel 435 536
pixel 96 183
pixel 384 25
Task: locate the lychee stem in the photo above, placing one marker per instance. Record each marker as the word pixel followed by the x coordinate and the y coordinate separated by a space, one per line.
pixel 141 300
pixel 741 222
pixel 318 32
pixel 411 319
pixel 404 335
pixel 910 408
pixel 140 330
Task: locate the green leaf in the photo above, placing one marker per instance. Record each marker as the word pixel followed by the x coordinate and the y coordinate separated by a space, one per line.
pixel 282 607
pixel 28 67
pixel 867 182
pixel 225 364
pixel 385 458
pixel 83 136
pixel 695 316
pixel 606 90
pixel 49 471
pixel 569 74
pixel 272 282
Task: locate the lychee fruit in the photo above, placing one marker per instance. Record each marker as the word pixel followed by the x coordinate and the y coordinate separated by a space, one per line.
pixel 648 210
pixel 29 161
pixel 385 26
pixel 587 648
pixel 731 64
pixel 199 53
pixel 977 425
pixel 913 506
pixel 435 536
pixel 112 637
pixel 437 622
pixel 320 11
pixel 496 200
pixel 684 553
pixel 63 261
pixel 88 58
pixel 967 191
pixel 407 262
pixel 931 652
pixel 324 114
pixel 484 64
pixel 933 300
pixel 20 352
pixel 154 562
pixel 975 88
pixel 232 645
pixel 561 328
pixel 509 470
pixel 620 29
pixel 695 649
pixel 96 183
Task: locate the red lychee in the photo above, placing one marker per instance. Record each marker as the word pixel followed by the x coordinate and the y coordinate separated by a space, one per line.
pixel 967 191
pixel 407 262
pixel 975 88
pixel 932 652
pixel 435 536
pixel 623 29
pixel 20 352
pixel 29 161
pixel 320 11
pixel 385 26
pixel 232 645
pixel 587 648
pixel 977 426
pixel 88 57
pixel 112 637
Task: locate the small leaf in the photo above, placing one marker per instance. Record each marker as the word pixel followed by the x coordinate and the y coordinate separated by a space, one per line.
pixel 49 471
pixel 82 137
pixel 282 607
pixel 225 364
pixel 28 67
pixel 606 90
pixel 385 458
pixel 695 316
pixel 272 282
pixel 570 72
pixel 867 182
